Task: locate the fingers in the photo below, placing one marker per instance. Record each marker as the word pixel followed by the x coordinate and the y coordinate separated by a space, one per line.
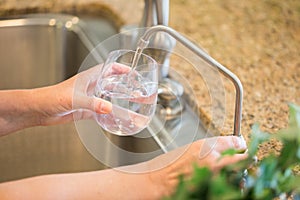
pixel 101 106
pixel 90 75
pixel 220 144
pixel 116 69
pixel 84 89
pixel 212 148
pixel 120 68
pixel 95 104
pixel 229 142
pixel 228 160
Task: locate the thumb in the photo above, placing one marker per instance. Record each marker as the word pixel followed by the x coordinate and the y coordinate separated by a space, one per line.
pixel 95 104
pixel 102 106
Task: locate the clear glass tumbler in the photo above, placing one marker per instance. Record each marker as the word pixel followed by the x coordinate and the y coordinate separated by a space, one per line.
pixel 132 92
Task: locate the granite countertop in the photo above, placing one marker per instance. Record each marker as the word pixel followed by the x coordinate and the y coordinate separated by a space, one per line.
pixel 257 40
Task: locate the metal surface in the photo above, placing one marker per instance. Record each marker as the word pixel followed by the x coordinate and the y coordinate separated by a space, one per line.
pixel 170 98
pixel 36 51
pixel 156 12
pixel 181 128
pixel 199 52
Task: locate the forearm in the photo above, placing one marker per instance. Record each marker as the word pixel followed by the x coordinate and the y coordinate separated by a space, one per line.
pixel 159 177
pixel 15 110
pixel 53 104
pixel 105 184
pixel 20 109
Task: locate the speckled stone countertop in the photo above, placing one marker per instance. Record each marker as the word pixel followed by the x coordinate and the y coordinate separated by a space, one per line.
pixel 257 40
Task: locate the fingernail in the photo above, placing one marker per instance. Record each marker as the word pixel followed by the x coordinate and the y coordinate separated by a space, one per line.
pixel 242 142
pixel 243 139
pixel 239 142
pixel 105 107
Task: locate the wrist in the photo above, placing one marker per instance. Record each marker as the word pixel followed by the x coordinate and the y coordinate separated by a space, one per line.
pixel 36 105
pixel 29 106
pixel 163 180
pixel 151 183
pixel 47 103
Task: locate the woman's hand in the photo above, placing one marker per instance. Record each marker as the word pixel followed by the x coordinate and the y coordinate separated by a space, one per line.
pixel 54 104
pixel 204 153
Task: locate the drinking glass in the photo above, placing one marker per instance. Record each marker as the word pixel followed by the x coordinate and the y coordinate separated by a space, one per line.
pixel 132 92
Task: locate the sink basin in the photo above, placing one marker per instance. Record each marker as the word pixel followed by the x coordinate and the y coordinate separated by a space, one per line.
pixel 35 51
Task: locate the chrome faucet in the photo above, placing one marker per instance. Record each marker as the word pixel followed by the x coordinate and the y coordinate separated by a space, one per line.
pixel 143 43
pixel 158 38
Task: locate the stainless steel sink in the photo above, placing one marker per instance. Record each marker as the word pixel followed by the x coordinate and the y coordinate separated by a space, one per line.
pixel 35 51
pixel 39 50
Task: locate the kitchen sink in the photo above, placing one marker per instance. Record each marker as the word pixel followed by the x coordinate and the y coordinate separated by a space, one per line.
pixel 44 49
pixel 35 51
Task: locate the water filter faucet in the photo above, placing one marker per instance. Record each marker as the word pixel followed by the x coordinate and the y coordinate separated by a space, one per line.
pixel 144 40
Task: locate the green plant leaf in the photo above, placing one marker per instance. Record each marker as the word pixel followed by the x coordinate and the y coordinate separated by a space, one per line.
pixel 229 152
pixel 202 176
pixel 181 192
pixel 220 189
pixel 288 155
pixel 257 138
pixel 290 137
pixel 294 118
